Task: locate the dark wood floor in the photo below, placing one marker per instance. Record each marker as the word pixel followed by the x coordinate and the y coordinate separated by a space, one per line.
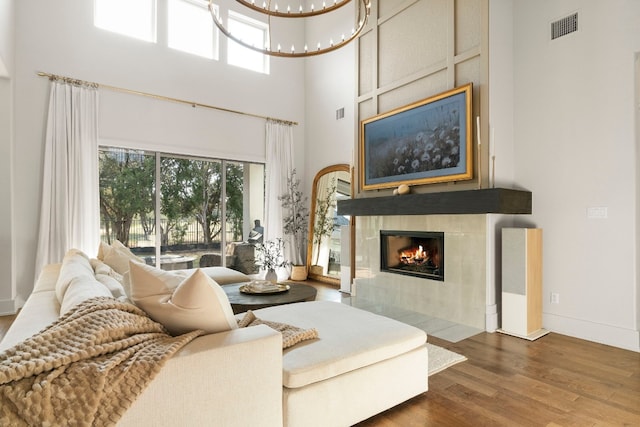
pixel 506 381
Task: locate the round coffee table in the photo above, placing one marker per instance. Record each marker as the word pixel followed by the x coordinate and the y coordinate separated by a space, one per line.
pixel 241 302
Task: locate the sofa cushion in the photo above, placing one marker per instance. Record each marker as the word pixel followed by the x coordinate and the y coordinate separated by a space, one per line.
pixel 82 288
pixel 75 266
pixel 350 339
pixel 181 304
pixel 40 310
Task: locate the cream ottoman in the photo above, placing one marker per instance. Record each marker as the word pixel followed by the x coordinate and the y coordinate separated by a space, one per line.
pixel 360 365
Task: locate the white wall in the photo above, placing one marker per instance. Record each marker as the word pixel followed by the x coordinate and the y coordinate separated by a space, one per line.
pixel 574 145
pixel 501 93
pixel 59 37
pixel 7 292
pixel 330 85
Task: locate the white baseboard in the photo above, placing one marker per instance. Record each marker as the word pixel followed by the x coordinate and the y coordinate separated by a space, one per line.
pixel 10 306
pixel 491 318
pixel 628 339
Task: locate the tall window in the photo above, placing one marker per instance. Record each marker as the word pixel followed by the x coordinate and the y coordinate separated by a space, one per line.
pixel 191 28
pixel 252 32
pixel 133 18
pixel 127 188
pixel 207 207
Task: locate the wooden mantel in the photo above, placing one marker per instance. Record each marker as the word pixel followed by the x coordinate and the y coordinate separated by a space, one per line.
pixel 481 201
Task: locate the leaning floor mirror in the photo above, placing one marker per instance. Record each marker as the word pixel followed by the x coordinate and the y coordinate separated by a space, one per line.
pixel 326 228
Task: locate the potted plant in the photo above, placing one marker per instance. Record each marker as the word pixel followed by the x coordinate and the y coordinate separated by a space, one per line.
pixel 324 222
pixel 295 223
pixel 270 255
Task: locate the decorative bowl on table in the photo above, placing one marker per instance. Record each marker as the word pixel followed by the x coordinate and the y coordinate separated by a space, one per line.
pixel 263 287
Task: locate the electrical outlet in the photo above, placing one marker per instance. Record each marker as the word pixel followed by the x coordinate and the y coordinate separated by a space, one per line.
pixel 597 212
pixel 555 298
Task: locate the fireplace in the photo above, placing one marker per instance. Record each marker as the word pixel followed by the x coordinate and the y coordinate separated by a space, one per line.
pixel 413 253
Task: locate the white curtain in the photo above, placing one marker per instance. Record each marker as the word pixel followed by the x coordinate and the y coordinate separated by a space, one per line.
pixel 70 212
pixel 279 146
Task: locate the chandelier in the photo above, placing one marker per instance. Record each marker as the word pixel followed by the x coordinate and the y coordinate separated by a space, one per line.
pixel 271 10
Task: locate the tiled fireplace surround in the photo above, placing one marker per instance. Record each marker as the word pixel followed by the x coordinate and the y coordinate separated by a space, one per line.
pixel 467 295
pixel 470 292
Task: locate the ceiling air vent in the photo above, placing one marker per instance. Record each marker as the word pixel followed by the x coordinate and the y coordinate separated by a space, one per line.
pixel 564 26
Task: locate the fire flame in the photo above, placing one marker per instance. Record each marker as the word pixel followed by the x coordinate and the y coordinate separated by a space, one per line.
pixel 414 256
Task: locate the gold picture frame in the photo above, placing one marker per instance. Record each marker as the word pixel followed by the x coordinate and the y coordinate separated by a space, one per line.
pixel 426 142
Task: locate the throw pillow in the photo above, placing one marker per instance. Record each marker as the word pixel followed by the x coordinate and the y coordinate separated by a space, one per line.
pixel 291 335
pixel 196 302
pixel 74 264
pixel 102 250
pixel 81 289
pixel 115 287
pixel 117 256
pixel 100 267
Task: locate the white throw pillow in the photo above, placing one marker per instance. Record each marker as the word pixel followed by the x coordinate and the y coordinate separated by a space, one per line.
pixel 117 256
pixel 181 304
pixel 75 264
pixel 115 287
pixel 100 267
pixel 103 248
pixel 81 289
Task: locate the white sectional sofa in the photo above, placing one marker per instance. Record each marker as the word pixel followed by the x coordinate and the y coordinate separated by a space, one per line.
pixel 361 364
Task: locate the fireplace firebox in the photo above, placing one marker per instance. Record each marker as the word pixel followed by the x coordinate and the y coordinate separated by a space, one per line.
pixel 413 253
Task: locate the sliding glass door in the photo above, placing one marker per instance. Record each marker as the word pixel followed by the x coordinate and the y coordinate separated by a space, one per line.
pixel 208 208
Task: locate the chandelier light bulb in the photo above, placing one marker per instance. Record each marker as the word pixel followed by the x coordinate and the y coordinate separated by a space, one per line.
pixel 270 9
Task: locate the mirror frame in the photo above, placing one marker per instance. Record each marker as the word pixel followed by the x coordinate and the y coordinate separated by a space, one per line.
pixel 342 167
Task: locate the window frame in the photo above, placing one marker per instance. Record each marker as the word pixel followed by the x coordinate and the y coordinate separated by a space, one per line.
pixel 232 45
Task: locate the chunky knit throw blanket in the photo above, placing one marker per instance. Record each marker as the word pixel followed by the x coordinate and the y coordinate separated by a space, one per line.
pixel 86 368
pixel 291 335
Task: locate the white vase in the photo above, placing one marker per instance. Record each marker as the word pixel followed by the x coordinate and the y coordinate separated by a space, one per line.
pixel 271 276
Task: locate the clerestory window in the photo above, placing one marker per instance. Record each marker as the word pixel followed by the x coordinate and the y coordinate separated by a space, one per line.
pixel 190 28
pixel 254 33
pixel 132 18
